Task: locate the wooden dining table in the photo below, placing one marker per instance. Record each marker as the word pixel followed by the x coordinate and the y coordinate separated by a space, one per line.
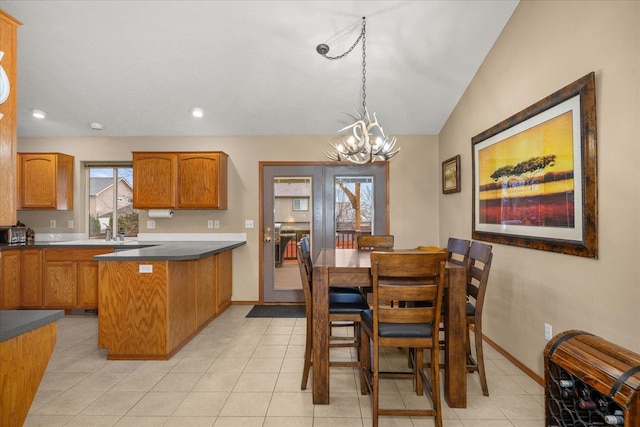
pixel 351 267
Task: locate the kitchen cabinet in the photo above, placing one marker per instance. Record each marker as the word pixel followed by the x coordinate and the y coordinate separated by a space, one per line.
pixel 180 180
pixel 70 278
pixel 9 113
pixel 31 278
pixel 224 280
pixel 45 181
pixel 9 279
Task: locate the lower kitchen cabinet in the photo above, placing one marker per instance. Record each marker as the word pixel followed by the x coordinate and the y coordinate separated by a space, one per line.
pixel 70 278
pixel 9 279
pixel 31 278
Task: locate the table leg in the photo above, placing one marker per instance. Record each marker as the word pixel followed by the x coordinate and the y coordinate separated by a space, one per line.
pixel 320 336
pixel 455 382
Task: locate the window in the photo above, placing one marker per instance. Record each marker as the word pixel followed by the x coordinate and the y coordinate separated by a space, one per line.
pixel 111 200
pixel 300 204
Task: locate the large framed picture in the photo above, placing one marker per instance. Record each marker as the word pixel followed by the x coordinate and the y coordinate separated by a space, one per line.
pixel 451 175
pixel 535 175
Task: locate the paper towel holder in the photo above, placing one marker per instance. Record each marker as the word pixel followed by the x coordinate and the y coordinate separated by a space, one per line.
pixel 160 213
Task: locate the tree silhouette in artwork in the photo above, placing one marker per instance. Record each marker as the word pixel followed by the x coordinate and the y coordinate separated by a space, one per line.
pixel 527 169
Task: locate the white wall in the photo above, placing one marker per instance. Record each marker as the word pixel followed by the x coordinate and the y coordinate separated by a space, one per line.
pixel 413 187
pixel 545 46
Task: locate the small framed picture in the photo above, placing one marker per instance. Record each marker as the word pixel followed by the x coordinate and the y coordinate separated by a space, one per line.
pixel 451 175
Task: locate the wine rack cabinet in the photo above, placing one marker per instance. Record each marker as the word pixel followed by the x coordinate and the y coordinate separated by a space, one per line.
pixel 590 382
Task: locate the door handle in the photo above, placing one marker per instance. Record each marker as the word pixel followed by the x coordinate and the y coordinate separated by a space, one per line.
pixel 267 234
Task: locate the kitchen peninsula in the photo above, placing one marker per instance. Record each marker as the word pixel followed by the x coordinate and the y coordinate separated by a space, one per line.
pixel 153 300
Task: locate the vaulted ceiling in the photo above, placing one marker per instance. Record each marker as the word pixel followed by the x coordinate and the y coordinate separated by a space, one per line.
pixel 139 67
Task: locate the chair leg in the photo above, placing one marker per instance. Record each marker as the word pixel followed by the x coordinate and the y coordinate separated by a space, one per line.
pixel 418 366
pixel 365 363
pixel 307 356
pixel 480 358
pixel 435 384
pixel 376 383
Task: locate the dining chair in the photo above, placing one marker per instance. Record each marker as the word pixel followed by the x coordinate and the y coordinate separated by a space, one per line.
pixel 457 251
pixel 413 277
pixel 374 242
pixel 343 308
pixel 480 257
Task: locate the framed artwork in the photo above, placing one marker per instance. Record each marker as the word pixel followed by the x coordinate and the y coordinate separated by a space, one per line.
pixel 535 175
pixel 451 175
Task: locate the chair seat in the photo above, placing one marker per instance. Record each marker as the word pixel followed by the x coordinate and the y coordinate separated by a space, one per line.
pixel 398 330
pixel 347 304
pixel 470 309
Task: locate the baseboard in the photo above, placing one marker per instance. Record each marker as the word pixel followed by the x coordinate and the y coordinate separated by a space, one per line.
pixel 245 302
pixel 515 361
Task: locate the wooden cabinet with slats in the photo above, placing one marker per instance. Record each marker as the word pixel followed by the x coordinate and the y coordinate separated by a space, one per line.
pixel 180 180
pixel 31 278
pixel 45 181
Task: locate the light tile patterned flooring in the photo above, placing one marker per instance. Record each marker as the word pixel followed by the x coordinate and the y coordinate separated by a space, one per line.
pixel 246 372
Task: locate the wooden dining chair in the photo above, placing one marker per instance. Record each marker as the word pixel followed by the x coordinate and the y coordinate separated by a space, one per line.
pixel 479 265
pixel 374 242
pixel 343 308
pixel 457 251
pixel 413 277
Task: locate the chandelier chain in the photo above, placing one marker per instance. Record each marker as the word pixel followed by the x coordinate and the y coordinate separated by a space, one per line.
pixel 364 66
pixel 360 37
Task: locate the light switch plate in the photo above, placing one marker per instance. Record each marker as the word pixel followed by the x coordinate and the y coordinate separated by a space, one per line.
pixel 52 223
pixel 70 223
pixel 216 223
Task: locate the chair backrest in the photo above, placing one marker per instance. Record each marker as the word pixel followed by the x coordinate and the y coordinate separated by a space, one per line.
pixel 306 250
pixel 458 251
pixel 413 277
pixel 305 277
pixel 480 257
pixel 374 242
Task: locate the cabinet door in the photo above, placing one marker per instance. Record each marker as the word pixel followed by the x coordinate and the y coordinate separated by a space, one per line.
pixel 60 284
pixel 88 284
pixel 201 184
pixel 154 180
pixel 31 277
pixel 37 181
pixel 9 280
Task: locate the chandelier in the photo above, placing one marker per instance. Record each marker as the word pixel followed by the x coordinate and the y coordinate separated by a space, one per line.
pixel 364 140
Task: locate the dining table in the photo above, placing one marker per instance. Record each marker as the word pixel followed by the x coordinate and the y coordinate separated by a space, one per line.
pixel 352 267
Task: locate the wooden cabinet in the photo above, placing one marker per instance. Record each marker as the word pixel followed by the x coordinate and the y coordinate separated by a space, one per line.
pixel 154 180
pixel 9 113
pixel 70 278
pixel 9 279
pixel 45 181
pixel 180 180
pixel 31 278
pixel 206 290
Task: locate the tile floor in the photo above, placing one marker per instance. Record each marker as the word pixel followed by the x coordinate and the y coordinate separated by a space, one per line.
pixel 246 372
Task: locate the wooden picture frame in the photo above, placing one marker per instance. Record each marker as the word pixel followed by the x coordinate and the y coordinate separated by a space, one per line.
pixel 451 175
pixel 535 175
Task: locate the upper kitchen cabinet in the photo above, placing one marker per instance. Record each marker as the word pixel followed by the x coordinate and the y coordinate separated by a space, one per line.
pixel 180 180
pixel 154 180
pixel 45 181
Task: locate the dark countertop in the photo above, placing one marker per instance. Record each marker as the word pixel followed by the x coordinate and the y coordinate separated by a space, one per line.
pixel 140 250
pixel 170 251
pixel 18 322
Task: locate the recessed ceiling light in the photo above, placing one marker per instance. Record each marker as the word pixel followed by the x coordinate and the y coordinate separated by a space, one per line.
pixel 39 114
pixel 96 126
pixel 197 112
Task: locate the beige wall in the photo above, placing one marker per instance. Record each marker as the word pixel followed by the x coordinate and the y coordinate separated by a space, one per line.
pixel 545 46
pixel 413 180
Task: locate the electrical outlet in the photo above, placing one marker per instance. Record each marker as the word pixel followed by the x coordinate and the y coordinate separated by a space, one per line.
pixel 248 223
pixel 70 223
pixel 548 332
pixel 210 223
pixel 216 223
pixel 151 224
pixel 52 223
pixel 145 268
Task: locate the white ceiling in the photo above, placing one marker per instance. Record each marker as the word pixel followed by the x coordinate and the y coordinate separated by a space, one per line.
pixel 139 67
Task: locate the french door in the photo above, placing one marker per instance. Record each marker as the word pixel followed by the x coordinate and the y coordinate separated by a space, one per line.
pixel 328 203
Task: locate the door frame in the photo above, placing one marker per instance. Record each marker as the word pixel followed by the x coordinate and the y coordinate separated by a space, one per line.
pixel 319 215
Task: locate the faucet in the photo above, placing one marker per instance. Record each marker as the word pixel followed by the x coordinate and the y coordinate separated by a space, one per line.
pixel 108 233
